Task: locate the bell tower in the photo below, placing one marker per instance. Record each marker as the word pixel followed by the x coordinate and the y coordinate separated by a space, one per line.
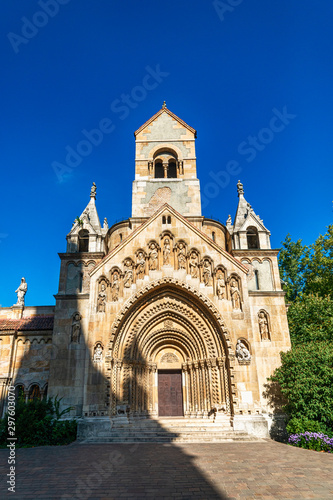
pixel 165 166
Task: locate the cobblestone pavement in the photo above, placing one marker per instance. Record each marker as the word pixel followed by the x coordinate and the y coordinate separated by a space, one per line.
pixel 263 470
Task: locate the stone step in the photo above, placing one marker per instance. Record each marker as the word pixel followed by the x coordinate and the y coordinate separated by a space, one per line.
pixel 232 437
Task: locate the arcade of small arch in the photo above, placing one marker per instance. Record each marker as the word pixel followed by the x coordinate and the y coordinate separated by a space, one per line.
pixel 170 327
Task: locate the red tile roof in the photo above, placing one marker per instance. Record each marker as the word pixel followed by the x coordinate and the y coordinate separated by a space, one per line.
pixel 33 323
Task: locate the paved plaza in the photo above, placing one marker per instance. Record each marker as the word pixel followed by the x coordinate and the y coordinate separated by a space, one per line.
pixel 263 470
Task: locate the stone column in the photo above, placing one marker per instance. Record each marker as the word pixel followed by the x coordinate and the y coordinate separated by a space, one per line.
pixel 165 168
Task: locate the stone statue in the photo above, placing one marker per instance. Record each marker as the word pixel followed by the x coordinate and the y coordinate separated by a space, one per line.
pixel 76 328
pixel 229 220
pixel 235 295
pixel 263 326
pixel 105 223
pixel 193 265
pixel 206 273
pixel 21 291
pixel 115 287
pixel 93 191
pixel 181 256
pixel 240 188
pixel 242 352
pixel 140 266
pixel 98 354
pixel 153 257
pixel 128 278
pixel 220 285
pixel 101 300
pixel 166 252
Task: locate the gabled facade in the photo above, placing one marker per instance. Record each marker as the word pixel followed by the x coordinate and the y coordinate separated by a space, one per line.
pixel 167 313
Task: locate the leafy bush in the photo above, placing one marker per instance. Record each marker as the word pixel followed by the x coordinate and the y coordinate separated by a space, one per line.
pixel 37 423
pixel 312 441
pixel 305 379
pixel 303 424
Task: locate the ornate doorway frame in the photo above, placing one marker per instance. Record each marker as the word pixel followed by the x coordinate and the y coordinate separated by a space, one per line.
pixel 169 315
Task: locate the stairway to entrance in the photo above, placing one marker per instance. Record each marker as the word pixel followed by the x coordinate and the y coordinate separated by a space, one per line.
pixel 165 430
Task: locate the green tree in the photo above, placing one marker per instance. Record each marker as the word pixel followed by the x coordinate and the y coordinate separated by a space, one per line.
pixel 310 319
pixel 305 379
pixel 319 271
pixel 293 262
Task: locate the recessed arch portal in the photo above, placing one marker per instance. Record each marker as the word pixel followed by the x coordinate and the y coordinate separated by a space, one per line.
pixel 170 316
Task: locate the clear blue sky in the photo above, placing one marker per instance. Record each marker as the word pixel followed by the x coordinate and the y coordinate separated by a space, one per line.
pixel 224 71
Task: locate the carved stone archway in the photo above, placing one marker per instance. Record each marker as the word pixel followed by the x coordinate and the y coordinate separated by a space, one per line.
pixel 170 317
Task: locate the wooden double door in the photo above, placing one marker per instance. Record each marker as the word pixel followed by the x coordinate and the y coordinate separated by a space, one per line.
pixel 170 394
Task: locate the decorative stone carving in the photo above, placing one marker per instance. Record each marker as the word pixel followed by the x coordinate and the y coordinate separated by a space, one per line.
pixel 21 291
pixel 242 352
pixel 193 265
pixel 181 256
pixel 153 257
pixel 93 191
pixel 76 328
pixel 115 287
pixel 235 295
pixel 220 285
pixel 140 266
pixel 169 357
pixel 206 272
pixel 263 325
pixel 168 323
pixel 128 277
pixel 101 299
pixel 240 188
pixel 98 353
pixel 166 252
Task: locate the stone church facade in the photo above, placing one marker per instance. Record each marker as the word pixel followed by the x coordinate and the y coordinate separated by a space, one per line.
pixel 165 314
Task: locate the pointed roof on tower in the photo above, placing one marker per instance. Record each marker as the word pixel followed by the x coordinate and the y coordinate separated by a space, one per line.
pixel 244 213
pixel 164 109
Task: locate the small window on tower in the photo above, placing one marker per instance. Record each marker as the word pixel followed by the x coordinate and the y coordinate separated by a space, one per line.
pixel 163 219
pixel 172 170
pixel 169 219
pixel 256 279
pixel 252 238
pixel 84 240
pixel 159 171
pixel 213 235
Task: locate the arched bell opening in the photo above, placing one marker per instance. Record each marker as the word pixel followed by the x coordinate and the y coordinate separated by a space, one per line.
pixel 169 332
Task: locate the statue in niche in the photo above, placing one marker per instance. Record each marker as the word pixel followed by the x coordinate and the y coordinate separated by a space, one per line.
pixel 166 252
pixel 242 352
pixel 193 265
pixel 263 326
pixel 21 291
pixel 115 287
pixel 220 285
pixel 140 266
pixel 235 295
pixel 76 328
pixel 128 278
pixel 206 273
pixel 153 257
pixel 101 300
pixel 181 256
pixel 98 354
